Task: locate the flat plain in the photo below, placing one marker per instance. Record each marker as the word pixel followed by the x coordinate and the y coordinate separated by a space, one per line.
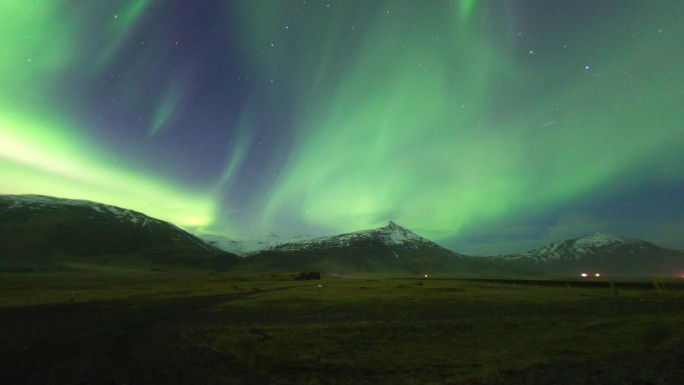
pixel 105 326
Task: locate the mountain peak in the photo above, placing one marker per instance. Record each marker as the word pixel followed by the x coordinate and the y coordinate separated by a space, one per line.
pixel 599 238
pixel 393 226
pixel 600 235
pixel 396 234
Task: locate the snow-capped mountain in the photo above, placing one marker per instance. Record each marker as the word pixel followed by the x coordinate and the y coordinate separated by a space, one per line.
pixel 251 244
pixel 602 252
pixel 43 203
pixel 391 235
pixel 573 249
pixel 396 238
pixel 43 229
pixel 221 242
pixel 387 250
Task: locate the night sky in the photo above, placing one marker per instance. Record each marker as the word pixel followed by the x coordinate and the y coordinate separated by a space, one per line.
pixel 486 126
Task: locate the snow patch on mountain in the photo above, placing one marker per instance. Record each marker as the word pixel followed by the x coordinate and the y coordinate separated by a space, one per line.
pixel 35 202
pixel 597 243
pixel 251 244
pixel 391 235
pixel 600 240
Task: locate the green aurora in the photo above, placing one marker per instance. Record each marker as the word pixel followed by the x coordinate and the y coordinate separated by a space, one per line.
pixel 42 151
pixel 444 116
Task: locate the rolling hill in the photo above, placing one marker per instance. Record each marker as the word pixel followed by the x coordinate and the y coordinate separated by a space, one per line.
pixel 41 232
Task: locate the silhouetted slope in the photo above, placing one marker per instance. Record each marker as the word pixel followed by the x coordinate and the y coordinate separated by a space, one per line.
pixel 43 231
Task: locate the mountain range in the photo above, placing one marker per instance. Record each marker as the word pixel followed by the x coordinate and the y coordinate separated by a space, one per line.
pixel 46 232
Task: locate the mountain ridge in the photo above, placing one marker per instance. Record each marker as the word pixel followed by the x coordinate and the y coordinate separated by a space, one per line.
pixel 605 252
pixel 391 235
pixel 43 231
pixel 391 249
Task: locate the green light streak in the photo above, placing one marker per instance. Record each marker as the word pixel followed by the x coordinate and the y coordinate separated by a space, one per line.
pixel 119 29
pixel 33 49
pixel 237 150
pixel 465 8
pixel 127 15
pixel 42 158
pixel 43 154
pixel 164 111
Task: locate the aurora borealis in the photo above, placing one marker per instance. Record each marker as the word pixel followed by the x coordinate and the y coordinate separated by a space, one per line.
pixel 486 126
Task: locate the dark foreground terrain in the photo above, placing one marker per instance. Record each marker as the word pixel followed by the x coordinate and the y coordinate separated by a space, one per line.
pixel 105 327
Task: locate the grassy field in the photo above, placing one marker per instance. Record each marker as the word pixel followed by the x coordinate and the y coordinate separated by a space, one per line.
pixel 128 327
